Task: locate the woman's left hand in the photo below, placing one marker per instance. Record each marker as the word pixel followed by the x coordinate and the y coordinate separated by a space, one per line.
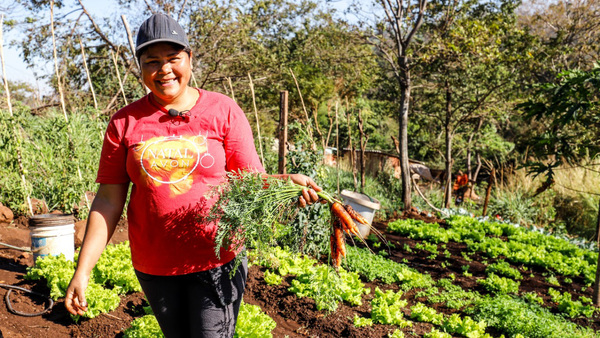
pixel 309 196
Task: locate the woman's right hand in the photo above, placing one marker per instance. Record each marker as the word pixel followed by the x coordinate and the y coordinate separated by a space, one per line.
pixel 75 300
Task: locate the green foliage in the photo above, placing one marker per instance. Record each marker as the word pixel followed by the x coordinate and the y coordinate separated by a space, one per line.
pixel 503 268
pixel 464 326
pixel 253 322
pixel 143 327
pixel 570 308
pixel 59 159
pixel 100 300
pixel 422 313
pixel 453 296
pixel 56 270
pixel 570 105
pixel 512 316
pixel 533 297
pixel 114 268
pixel 434 333
pixel 361 321
pixel 328 287
pixel 514 206
pixel 499 285
pixel 386 308
pixel 272 278
pixel 374 267
pixel 418 229
pixel 113 275
pixel 396 334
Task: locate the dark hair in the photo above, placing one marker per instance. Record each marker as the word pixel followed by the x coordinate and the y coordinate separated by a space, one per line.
pixel 186 49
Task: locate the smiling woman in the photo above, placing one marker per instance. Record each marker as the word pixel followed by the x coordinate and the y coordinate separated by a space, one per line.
pixel 173 145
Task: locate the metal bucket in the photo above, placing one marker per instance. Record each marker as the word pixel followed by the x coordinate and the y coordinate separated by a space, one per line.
pixel 52 234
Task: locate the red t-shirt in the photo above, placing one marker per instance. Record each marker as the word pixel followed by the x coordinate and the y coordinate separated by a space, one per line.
pixel 172 162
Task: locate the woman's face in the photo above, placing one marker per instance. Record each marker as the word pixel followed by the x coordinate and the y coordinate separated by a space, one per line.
pixel 166 71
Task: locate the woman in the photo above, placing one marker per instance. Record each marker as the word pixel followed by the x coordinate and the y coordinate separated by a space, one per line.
pixel 172 145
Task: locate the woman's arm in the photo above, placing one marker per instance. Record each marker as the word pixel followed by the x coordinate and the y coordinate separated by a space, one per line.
pixel 103 218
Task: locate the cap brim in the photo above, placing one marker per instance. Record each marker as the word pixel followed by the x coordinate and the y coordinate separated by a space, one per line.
pixel 145 44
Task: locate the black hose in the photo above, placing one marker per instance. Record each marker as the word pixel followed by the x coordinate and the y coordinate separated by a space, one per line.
pixel 9 304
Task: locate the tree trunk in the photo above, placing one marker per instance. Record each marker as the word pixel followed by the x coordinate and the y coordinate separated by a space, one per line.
pixel 478 156
pixel 470 148
pixel 448 132
pixel 491 182
pixel 596 295
pixel 403 133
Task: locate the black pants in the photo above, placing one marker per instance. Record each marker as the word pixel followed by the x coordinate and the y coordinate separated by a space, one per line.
pixel 202 304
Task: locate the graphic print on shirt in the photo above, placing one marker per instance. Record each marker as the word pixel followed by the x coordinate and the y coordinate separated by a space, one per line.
pixel 172 160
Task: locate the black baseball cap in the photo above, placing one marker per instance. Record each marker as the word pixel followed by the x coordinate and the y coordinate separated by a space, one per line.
pixel 160 28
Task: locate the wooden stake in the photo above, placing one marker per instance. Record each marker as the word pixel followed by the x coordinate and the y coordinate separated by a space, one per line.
pixel 308 126
pixel 283 126
pixel 262 156
pixel 114 59
pixel 16 132
pixel 87 72
pixel 58 82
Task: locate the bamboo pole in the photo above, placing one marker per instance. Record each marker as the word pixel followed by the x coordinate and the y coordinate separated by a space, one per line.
pixel 231 88
pixel 351 146
pixel 337 148
pixel 132 48
pixel 194 79
pixel 87 73
pixel 308 127
pixel 262 156
pixel 283 125
pixel 114 59
pixel 15 130
pixel 58 82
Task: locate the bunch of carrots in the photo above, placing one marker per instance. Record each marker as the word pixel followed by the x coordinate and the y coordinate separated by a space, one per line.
pixel 343 217
pixel 248 208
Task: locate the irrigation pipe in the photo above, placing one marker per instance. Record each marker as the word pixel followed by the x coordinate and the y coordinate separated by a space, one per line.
pixel 425 199
pixel 9 304
pixel 16 247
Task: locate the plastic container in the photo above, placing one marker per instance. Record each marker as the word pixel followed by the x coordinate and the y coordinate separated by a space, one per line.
pixel 364 205
pixel 52 234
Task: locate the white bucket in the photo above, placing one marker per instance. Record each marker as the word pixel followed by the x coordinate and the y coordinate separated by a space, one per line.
pixel 52 234
pixel 364 205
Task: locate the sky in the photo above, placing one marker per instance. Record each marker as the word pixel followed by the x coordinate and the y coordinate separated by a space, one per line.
pixel 16 70
pixel 15 67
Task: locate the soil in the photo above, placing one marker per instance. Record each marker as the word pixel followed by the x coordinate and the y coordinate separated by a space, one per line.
pixel 295 317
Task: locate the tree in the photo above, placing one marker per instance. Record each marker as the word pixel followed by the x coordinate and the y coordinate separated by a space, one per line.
pixel 393 37
pixel 571 28
pixel 468 65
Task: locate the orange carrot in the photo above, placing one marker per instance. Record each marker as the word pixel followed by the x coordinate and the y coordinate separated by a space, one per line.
pixel 335 252
pixel 339 236
pixel 340 213
pixel 355 215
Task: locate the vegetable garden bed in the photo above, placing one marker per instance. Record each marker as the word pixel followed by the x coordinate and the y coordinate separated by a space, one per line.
pixel 441 285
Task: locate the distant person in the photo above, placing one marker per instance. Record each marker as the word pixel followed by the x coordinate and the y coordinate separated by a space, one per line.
pixel 171 146
pixel 461 185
